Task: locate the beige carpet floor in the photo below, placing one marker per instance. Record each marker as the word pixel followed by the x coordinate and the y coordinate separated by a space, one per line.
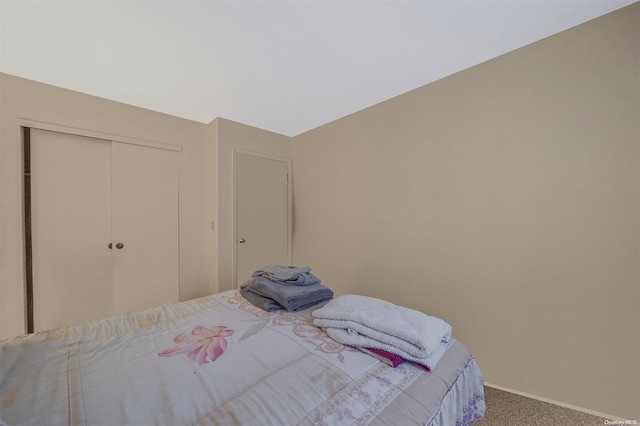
pixel 508 409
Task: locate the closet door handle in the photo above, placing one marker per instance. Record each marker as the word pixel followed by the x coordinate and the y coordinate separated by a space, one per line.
pixel 119 245
pixel 110 245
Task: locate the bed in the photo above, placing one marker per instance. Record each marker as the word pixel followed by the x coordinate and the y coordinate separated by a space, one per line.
pixel 219 360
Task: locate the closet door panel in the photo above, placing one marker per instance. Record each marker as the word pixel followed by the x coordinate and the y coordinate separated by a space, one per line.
pixel 71 229
pixel 145 222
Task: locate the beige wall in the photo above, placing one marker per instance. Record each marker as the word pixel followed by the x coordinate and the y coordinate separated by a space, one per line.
pixel 504 199
pixel 26 99
pixel 236 136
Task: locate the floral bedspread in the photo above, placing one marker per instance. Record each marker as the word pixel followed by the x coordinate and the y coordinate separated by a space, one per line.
pixel 220 360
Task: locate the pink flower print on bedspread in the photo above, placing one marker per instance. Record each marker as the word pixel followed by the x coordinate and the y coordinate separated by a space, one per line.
pixel 201 344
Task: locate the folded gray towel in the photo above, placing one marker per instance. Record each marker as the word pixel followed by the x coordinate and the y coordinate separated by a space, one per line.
pixel 289 275
pixel 262 302
pixel 290 297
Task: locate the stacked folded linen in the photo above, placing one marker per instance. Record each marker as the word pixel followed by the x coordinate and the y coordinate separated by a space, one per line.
pixel 370 324
pixel 290 275
pixel 283 292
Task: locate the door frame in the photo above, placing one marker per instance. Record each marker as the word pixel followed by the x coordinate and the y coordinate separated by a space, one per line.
pixel 288 161
pixel 77 131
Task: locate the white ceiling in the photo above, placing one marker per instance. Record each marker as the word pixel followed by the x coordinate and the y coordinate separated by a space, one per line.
pixel 284 66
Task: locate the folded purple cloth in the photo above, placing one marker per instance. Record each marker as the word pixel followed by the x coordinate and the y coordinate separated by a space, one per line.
pixel 392 359
pixel 384 356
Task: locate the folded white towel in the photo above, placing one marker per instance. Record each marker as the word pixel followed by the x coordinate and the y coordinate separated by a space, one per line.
pixel 358 341
pixel 414 333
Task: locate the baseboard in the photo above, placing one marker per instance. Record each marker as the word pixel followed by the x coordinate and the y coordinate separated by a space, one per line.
pixel 561 404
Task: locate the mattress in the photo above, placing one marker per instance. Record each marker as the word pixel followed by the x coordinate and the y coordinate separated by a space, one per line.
pixel 219 360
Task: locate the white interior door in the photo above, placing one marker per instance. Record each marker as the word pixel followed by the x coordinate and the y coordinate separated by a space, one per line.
pixel 145 222
pixel 71 229
pixel 261 214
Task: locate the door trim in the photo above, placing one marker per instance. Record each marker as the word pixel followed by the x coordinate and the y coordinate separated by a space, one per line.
pixel 94 134
pixel 234 246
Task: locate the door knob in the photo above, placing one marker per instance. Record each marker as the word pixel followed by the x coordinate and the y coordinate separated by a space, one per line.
pixel 241 240
pixel 110 245
pixel 119 245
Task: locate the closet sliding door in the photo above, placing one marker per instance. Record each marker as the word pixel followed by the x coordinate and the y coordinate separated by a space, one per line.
pixel 70 228
pixel 104 228
pixel 145 222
